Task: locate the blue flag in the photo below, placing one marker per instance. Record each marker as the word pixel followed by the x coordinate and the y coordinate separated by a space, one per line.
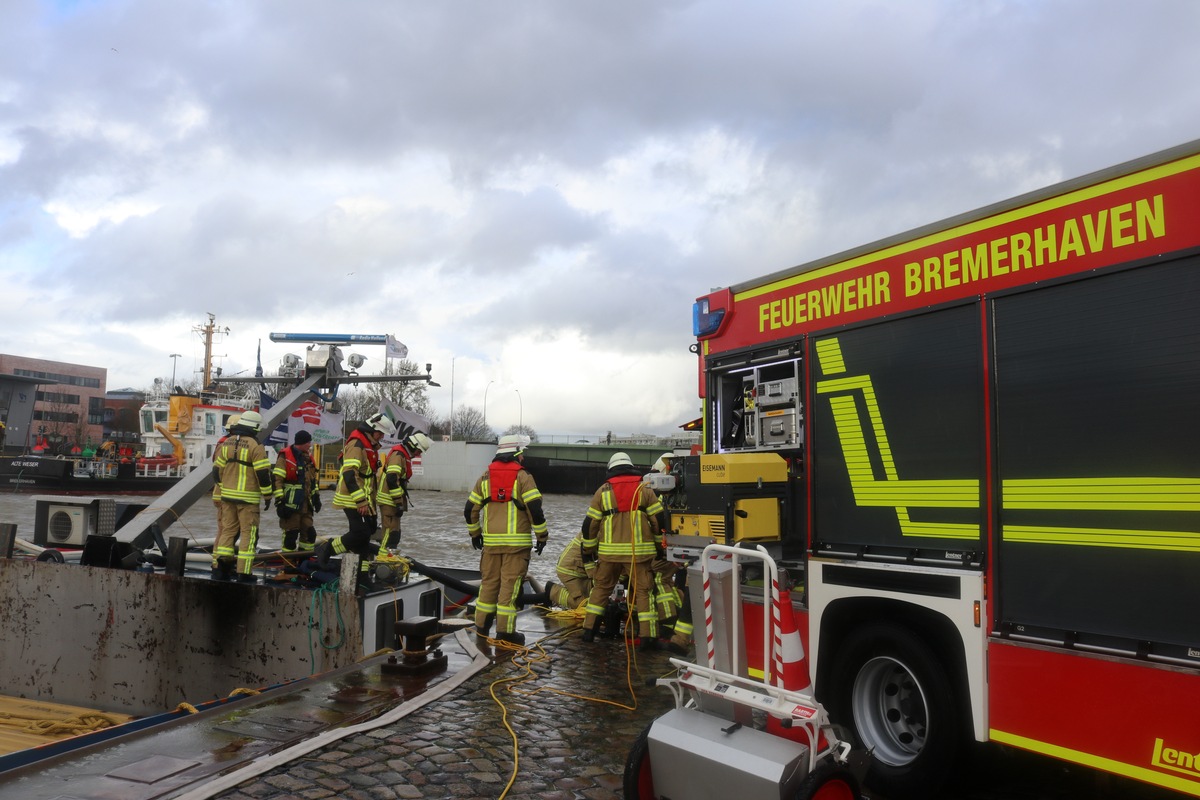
pixel 279 437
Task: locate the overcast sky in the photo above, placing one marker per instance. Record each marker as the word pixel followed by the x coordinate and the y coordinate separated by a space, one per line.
pixel 530 195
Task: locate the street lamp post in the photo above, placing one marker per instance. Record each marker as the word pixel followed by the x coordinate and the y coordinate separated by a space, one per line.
pixel 520 410
pixel 452 397
pixel 174 362
pixel 485 391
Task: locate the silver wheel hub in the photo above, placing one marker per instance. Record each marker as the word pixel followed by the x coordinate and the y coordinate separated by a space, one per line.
pixel 890 711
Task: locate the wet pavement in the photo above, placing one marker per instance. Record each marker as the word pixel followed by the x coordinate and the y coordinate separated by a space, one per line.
pixel 575 709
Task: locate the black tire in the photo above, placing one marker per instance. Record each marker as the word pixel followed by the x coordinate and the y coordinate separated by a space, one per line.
pixel 638 782
pixel 828 782
pixel 890 688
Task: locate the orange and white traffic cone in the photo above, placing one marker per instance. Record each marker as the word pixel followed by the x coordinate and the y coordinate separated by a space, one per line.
pixel 795 665
pixel 794 670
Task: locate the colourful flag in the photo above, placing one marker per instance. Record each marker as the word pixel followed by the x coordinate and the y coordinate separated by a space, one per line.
pixel 324 426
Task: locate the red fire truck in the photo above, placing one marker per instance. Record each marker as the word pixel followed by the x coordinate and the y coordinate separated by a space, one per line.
pixel 990 432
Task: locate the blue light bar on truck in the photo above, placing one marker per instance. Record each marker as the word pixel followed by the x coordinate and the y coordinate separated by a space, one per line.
pixel 705 322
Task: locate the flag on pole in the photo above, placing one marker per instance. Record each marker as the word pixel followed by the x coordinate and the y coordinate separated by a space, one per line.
pixel 407 423
pixel 311 416
pixel 279 436
pixel 324 427
pixel 395 348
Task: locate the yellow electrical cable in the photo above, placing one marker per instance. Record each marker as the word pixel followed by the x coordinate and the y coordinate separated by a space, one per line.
pixel 521 658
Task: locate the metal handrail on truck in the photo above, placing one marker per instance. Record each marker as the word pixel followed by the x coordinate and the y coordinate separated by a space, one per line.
pixel 731 733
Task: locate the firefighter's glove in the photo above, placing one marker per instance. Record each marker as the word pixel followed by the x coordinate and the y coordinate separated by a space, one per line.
pixel 659 550
pixel 316 503
pixel 477 542
pixel 588 556
pixel 266 502
pixel 280 510
pixel 540 546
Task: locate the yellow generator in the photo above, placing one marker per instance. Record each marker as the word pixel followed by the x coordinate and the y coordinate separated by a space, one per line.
pixel 728 498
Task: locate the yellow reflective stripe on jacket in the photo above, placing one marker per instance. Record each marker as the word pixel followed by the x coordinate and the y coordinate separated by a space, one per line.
pixel 490 512
pixel 570 561
pixel 611 542
pixel 391 497
pixel 239 460
pixel 355 460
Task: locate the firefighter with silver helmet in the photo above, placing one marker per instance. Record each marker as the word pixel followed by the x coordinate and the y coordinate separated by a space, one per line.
pixel 395 470
pixel 242 468
pixel 355 492
pixel 216 492
pixel 621 529
pixel 504 517
pixel 670 583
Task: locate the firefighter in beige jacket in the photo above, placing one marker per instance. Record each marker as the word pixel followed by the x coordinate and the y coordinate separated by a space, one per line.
pixel 504 517
pixel 243 470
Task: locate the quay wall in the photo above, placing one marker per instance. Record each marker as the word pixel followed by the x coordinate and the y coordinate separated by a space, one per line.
pixel 453 466
pixel 140 644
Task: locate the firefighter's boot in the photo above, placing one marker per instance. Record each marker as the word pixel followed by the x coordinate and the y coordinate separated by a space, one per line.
pixel 223 571
pixel 322 553
pixel 516 637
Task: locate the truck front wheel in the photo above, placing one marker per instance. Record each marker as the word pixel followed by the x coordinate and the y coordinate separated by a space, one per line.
pixel 888 685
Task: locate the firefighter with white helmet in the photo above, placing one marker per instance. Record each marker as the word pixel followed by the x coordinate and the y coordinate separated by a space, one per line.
pixel 395 470
pixel 504 516
pixel 216 492
pixel 621 529
pixel 355 492
pixel 242 468
pixel 670 585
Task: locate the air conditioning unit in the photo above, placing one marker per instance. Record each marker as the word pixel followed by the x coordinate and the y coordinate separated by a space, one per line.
pixel 68 525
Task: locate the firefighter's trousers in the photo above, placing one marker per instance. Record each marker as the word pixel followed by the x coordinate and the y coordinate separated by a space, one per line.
pixel 502 573
pixel 239 525
pixel 640 582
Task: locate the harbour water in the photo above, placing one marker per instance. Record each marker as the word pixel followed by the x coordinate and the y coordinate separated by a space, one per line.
pixel 433 530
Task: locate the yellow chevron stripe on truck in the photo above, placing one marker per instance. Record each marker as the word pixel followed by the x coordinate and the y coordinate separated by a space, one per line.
pixel 1025 494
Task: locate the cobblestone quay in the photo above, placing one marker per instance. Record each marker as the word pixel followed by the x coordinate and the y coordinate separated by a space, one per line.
pixel 564 702
pixel 565 707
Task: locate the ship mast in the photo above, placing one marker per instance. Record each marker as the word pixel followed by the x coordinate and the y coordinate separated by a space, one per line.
pixel 207 331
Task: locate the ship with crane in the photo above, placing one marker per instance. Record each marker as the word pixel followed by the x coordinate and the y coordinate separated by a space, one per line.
pixel 177 430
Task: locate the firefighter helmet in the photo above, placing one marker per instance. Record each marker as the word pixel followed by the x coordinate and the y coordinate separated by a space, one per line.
pixel 511 444
pixel 663 464
pixel 619 460
pixel 418 441
pixel 251 420
pixel 382 423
